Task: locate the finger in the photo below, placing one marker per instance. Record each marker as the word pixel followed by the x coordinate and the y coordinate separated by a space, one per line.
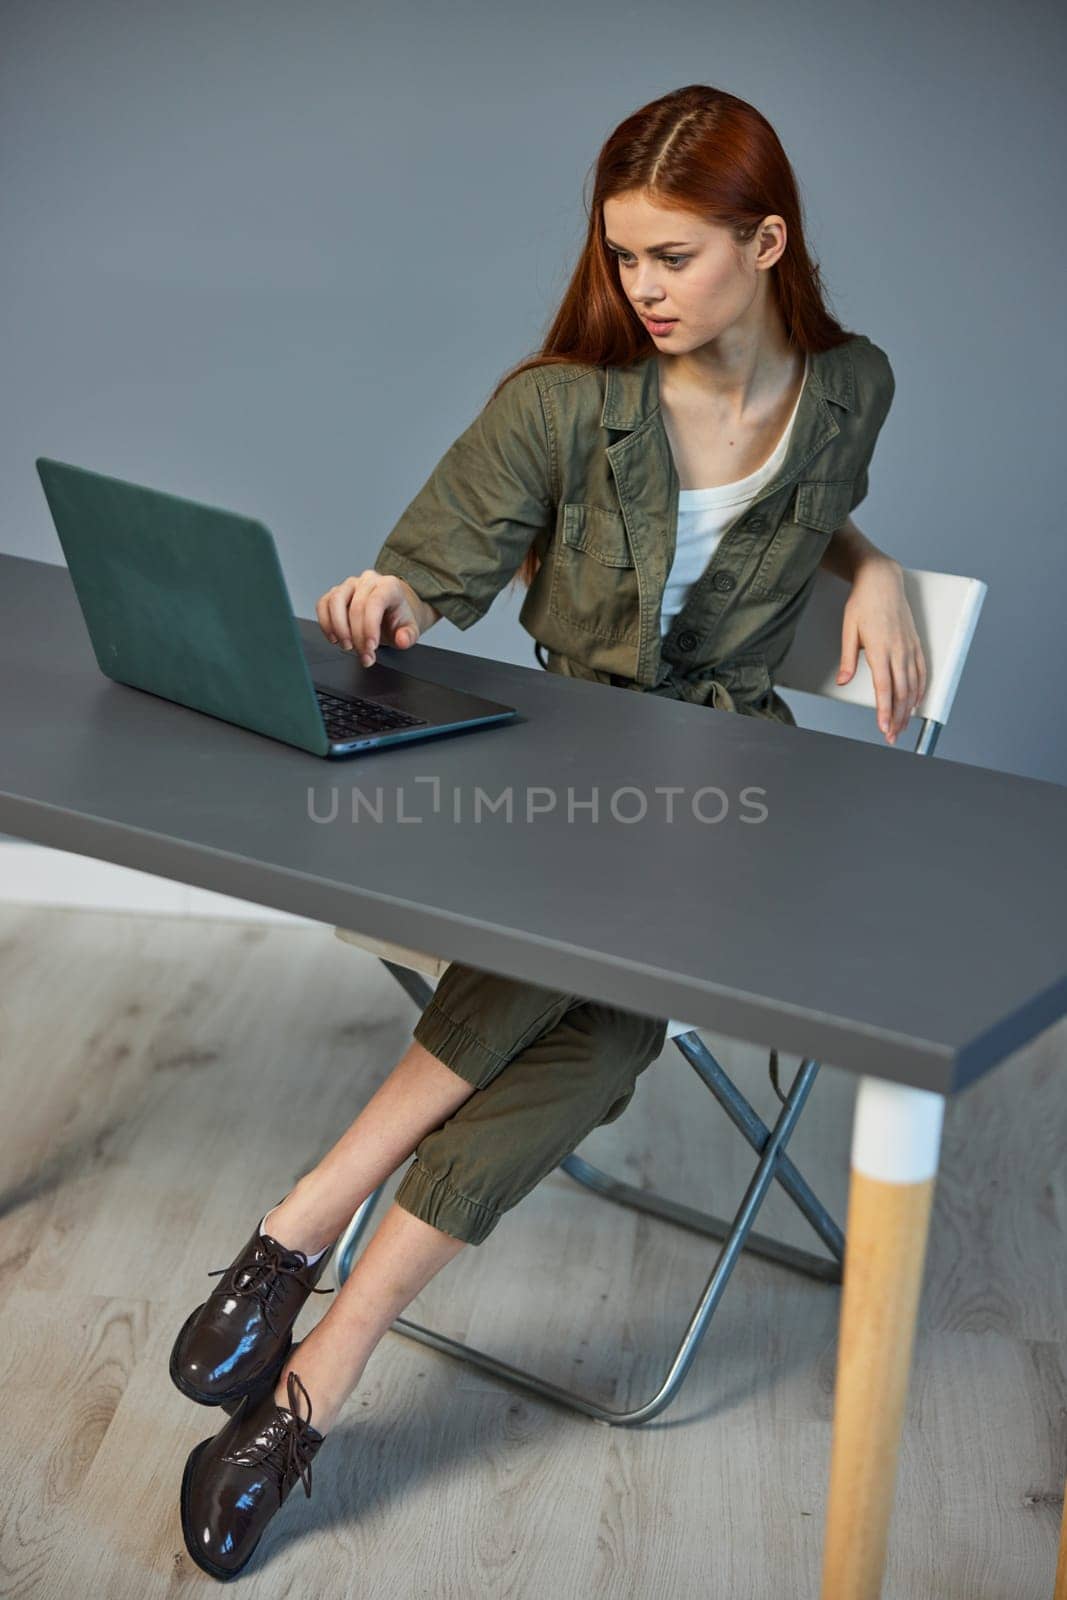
pixel 907 704
pixel 849 639
pixel 900 694
pixel 905 690
pixel 341 598
pixel 375 600
pixel 883 692
pixel 322 612
pixel 403 629
pixel 337 607
pixel 916 686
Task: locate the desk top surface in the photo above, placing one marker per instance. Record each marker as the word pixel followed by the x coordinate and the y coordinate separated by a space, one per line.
pixel 892 914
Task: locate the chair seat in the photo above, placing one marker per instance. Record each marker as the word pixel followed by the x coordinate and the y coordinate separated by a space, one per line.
pixel 434 966
pixel 418 960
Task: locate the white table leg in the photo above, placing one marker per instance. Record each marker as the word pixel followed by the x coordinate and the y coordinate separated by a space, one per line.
pixel 896 1143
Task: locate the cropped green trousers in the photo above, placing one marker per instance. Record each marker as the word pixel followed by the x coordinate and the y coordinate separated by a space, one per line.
pixel 548 1067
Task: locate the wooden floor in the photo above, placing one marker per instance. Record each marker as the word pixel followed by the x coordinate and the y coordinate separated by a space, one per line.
pixel 164 1080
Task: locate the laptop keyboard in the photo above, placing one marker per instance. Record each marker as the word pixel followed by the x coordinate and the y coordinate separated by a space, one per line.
pixel 349 717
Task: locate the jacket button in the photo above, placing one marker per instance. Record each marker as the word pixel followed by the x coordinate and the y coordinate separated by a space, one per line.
pixel 724 582
pixel 757 523
pixel 687 641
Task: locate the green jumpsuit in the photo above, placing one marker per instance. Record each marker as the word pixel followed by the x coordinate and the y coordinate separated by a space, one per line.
pixel 574 460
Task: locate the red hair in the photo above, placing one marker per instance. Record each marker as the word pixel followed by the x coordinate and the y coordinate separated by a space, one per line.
pixel 696 149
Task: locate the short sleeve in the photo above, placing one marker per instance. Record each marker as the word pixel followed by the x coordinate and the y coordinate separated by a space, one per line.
pixel 464 535
pixel 879 402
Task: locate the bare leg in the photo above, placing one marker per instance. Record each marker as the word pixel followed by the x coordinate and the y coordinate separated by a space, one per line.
pixel 418 1095
pixel 400 1259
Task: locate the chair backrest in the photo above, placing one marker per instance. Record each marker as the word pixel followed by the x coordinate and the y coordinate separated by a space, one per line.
pixel 946 608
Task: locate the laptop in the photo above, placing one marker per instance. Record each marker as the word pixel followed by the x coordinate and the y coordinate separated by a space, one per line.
pixel 189 602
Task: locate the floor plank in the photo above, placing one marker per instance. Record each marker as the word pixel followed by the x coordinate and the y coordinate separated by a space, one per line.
pixel 165 1080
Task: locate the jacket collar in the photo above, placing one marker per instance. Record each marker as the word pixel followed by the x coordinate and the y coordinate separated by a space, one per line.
pixel 631 393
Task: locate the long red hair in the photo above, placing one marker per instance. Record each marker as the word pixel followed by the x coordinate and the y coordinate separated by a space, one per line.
pixel 702 150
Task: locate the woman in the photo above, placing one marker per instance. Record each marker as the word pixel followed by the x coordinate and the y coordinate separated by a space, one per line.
pixel 666 476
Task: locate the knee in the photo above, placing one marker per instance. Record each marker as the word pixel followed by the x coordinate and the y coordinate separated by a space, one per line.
pixel 638 1047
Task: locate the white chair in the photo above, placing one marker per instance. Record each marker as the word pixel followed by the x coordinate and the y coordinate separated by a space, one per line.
pixel 946 610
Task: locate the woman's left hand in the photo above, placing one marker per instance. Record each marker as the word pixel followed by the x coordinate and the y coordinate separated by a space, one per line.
pixel 878 618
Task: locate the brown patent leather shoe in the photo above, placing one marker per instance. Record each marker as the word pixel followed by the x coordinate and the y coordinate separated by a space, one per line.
pixel 235 1344
pixel 236 1481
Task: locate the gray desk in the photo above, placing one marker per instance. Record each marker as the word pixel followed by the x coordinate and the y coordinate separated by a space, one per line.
pixel 899 916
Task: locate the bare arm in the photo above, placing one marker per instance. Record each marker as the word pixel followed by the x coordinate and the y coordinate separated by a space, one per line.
pixel 849 550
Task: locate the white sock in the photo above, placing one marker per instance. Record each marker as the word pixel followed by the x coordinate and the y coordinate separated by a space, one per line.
pixel 311 1259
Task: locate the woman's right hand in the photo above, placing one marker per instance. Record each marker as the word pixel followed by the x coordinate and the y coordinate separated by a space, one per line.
pixel 375 608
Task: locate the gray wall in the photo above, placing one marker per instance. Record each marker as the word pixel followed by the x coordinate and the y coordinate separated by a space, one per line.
pixel 274 257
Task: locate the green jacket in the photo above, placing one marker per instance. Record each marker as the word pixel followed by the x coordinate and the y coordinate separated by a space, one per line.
pixel 575 460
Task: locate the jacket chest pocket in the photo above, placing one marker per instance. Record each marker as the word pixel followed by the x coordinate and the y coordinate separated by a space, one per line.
pixel 820 507
pixel 594 579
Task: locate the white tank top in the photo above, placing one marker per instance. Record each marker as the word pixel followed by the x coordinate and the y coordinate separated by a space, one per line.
pixel 704 515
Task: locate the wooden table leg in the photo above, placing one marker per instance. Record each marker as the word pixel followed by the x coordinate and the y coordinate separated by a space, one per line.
pixel 896 1143
pixel 1060 1592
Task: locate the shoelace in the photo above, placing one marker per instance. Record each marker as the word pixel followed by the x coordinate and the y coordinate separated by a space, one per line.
pixel 283 1444
pixel 263 1278
pixel 297 1446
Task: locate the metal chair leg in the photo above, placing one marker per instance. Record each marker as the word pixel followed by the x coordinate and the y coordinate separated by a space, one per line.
pixel 705 1309
pixel 755 1131
pixel 736 1235
pixel 413 983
